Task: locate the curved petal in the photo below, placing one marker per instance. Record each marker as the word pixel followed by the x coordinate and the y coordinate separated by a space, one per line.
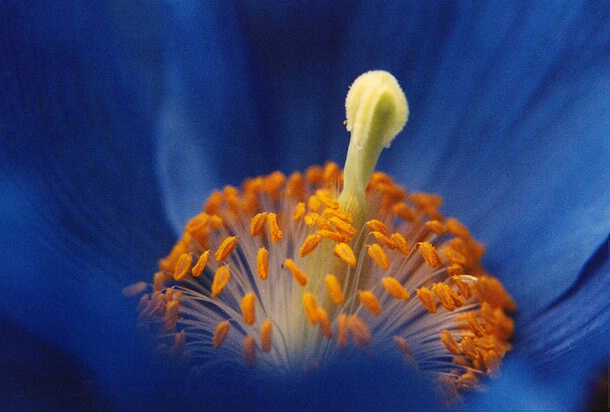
pixel 79 211
pixel 507 123
pixel 575 330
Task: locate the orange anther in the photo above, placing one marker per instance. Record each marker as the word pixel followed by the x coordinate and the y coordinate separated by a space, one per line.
pixel 299 211
pixel 450 342
pixel 401 243
pixel 467 381
pixel 250 351
pixel 199 222
pixel 404 212
pixel 273 183
pixel 331 174
pixel 379 256
pixel 310 244
pixel 215 222
pixel 322 223
pixel 334 289
pixel 325 323
pixel 342 227
pixel 430 254
pixel 214 202
pixel 258 223
pixel 344 252
pixel 463 287
pixel 469 348
pixel 377 226
pixel 221 278
pixel 369 301
pixel 447 296
pixel 389 243
pixel 310 218
pixel 313 203
pixel 295 187
pixel 456 228
pixel 262 263
pixel 133 290
pixel 426 200
pixel 226 247
pixel 266 334
pixel 330 235
pixel 474 325
pixel 362 334
pixel 247 308
pixel 159 280
pixel 436 227
pixel 427 299
pixel 404 347
pixel 340 213
pixel 297 273
pixel 182 266
pixel 342 338
pixel 200 265
pixel 395 288
pixel 455 270
pixel 327 200
pixel 220 334
pixel 454 256
pixel 314 175
pixel 274 229
pixel 311 308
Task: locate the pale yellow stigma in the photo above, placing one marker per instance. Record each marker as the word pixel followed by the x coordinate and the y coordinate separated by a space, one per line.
pixel 376 110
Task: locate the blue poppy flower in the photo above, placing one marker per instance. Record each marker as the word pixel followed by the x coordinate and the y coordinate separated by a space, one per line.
pixel 118 119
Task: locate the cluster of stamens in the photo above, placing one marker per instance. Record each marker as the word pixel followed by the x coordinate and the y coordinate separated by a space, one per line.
pixel 279 266
pixel 292 273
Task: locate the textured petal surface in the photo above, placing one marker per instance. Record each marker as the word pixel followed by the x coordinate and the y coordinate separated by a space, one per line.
pixel 79 211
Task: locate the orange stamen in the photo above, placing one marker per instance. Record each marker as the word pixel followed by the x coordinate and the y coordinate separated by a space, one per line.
pixel 325 323
pixel 369 301
pixel 430 255
pixel 220 334
pixel 297 273
pixel 450 342
pixel 250 351
pixel 266 334
pixel 379 256
pixel 262 263
pixel 299 211
pixel 247 308
pixel 221 278
pixel 182 266
pixel 427 299
pixel 345 253
pixel 274 229
pixel 362 334
pixel 258 223
pixel 311 308
pixel 200 265
pixel 377 226
pixel 395 288
pixel 401 243
pixel 334 289
pixel 310 244
pixel 226 247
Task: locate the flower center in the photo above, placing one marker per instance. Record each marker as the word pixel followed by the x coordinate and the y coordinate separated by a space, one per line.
pixel 289 273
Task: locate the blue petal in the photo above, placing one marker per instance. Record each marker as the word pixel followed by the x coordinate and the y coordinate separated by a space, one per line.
pixel 559 352
pixel 79 212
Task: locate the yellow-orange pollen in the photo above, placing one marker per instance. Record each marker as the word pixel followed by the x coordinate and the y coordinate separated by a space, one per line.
pixel 291 270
